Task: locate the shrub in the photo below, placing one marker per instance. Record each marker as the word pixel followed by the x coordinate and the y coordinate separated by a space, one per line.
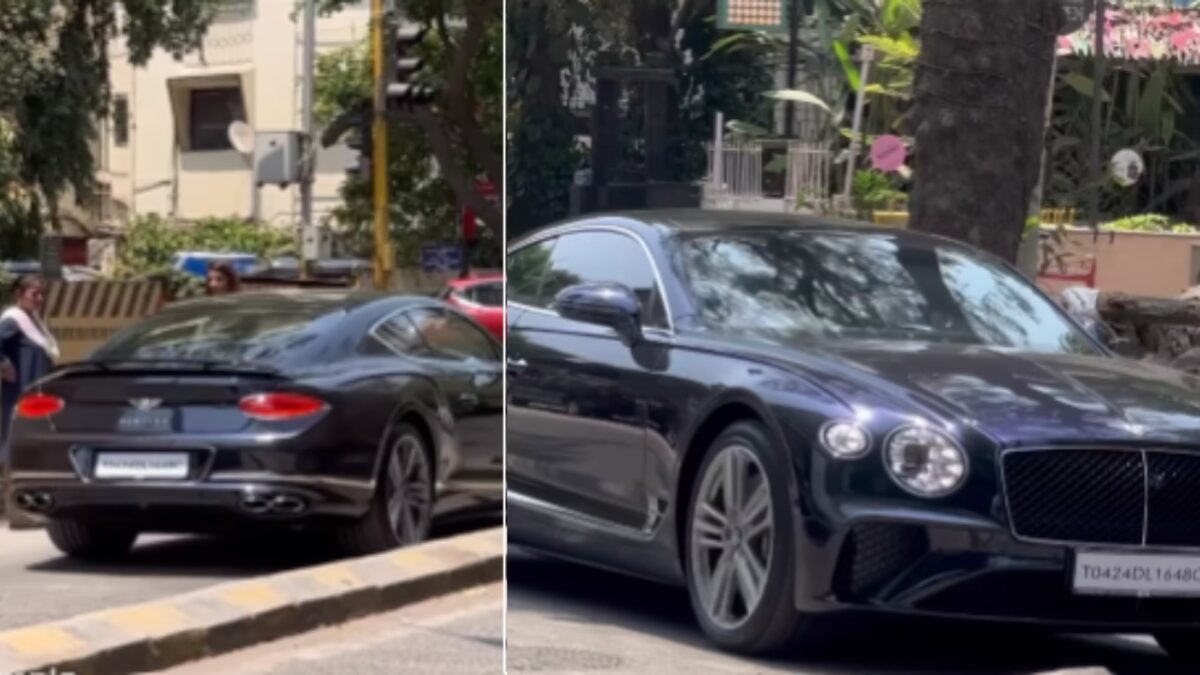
pixel 150 243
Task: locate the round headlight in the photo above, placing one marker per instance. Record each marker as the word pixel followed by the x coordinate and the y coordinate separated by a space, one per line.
pixel 924 461
pixel 845 440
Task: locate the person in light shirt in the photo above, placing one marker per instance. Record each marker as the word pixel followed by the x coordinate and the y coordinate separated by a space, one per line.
pixel 27 351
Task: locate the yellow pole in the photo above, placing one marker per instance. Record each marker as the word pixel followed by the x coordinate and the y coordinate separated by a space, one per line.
pixel 379 155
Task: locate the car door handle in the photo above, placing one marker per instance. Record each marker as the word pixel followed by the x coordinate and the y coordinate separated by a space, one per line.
pixel 517 363
pixel 469 400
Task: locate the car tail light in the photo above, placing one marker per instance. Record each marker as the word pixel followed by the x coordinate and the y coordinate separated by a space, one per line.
pixel 38 406
pixel 276 406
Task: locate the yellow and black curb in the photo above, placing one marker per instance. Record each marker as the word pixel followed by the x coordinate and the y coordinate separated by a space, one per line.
pixel 229 616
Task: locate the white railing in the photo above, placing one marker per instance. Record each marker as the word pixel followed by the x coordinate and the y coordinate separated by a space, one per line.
pixel 773 174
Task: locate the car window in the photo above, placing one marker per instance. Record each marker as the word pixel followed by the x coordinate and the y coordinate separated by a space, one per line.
pixel 450 336
pixel 396 335
pixel 222 332
pixel 488 295
pixel 588 257
pixel 525 270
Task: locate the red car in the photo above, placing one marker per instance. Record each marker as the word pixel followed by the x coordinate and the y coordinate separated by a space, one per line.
pixel 482 298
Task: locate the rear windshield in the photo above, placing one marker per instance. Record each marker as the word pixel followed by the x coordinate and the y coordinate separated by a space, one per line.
pixel 228 333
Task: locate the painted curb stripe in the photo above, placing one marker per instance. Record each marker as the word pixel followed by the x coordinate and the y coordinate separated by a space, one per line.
pixel 41 641
pixel 253 597
pixel 152 618
pixel 233 615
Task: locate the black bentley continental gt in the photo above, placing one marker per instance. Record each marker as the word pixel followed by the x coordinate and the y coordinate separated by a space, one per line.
pixel 794 417
pixel 365 414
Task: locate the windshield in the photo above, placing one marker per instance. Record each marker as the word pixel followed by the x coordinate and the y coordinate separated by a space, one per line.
pixel 254 335
pixel 783 285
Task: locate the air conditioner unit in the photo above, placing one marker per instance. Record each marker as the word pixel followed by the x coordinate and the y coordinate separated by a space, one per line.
pixel 277 157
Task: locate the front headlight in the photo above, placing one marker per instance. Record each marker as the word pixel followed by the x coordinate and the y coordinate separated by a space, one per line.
pixel 845 440
pixel 925 461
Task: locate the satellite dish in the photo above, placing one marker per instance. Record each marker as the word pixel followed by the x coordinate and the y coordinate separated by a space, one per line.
pixel 241 137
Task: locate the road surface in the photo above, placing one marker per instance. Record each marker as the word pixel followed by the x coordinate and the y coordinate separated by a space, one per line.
pixel 38 584
pixel 564 618
pixel 459 634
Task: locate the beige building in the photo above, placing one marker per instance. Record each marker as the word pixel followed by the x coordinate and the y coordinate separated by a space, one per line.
pixel 165 149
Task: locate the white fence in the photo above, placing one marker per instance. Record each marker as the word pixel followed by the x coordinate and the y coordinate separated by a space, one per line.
pixel 782 175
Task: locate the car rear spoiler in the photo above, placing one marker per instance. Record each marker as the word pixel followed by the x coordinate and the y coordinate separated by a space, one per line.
pixel 169 365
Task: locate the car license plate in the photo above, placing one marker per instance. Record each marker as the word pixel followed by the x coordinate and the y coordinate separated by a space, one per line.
pixel 141 466
pixel 1139 574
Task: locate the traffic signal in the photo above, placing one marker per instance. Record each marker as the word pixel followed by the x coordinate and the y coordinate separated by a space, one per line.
pixel 361 142
pixel 402 90
pixel 357 123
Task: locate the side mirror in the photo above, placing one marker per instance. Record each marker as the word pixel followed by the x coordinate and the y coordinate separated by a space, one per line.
pixel 605 304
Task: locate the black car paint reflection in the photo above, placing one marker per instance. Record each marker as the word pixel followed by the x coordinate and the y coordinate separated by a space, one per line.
pixel 369 360
pixel 790 323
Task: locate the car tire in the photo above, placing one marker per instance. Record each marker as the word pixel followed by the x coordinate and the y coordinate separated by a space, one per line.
pixel 91 541
pixel 1183 646
pixel 401 508
pixel 769 622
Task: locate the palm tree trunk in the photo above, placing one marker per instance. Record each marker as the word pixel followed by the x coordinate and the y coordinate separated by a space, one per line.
pixel 979 112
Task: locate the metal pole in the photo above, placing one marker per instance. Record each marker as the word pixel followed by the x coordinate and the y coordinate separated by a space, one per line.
pixel 379 154
pixel 793 57
pixel 306 121
pixel 718 150
pixel 1027 251
pixel 868 55
pixel 1094 171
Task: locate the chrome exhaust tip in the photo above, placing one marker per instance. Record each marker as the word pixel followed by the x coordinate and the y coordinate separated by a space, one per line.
pixel 288 504
pixel 34 502
pixel 255 503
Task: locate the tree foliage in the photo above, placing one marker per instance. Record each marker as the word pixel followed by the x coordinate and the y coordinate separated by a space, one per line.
pixel 463 130
pixel 151 242
pixel 54 88
pixel 423 206
pixel 553 48
pixel 54 67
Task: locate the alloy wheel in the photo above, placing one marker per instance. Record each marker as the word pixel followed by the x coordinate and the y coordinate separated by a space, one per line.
pixel 408 491
pixel 732 536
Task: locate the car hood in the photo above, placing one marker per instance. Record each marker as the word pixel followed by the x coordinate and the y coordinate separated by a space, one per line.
pixel 1018 398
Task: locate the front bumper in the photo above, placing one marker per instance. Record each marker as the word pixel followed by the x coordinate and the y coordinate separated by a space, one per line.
pixel 963 567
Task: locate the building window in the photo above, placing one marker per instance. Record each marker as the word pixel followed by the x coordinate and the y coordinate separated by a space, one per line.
pixel 212 111
pixel 121 120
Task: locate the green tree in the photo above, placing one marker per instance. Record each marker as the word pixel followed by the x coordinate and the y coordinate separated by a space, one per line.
pixel 54 67
pixel 54 71
pixel 423 205
pixel 463 130
pixel 553 47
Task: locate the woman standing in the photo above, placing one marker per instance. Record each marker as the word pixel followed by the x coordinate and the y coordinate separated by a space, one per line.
pixel 27 350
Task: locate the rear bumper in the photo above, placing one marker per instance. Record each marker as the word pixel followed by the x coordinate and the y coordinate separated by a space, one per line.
pixel 967 570
pixel 232 480
pixel 200 506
